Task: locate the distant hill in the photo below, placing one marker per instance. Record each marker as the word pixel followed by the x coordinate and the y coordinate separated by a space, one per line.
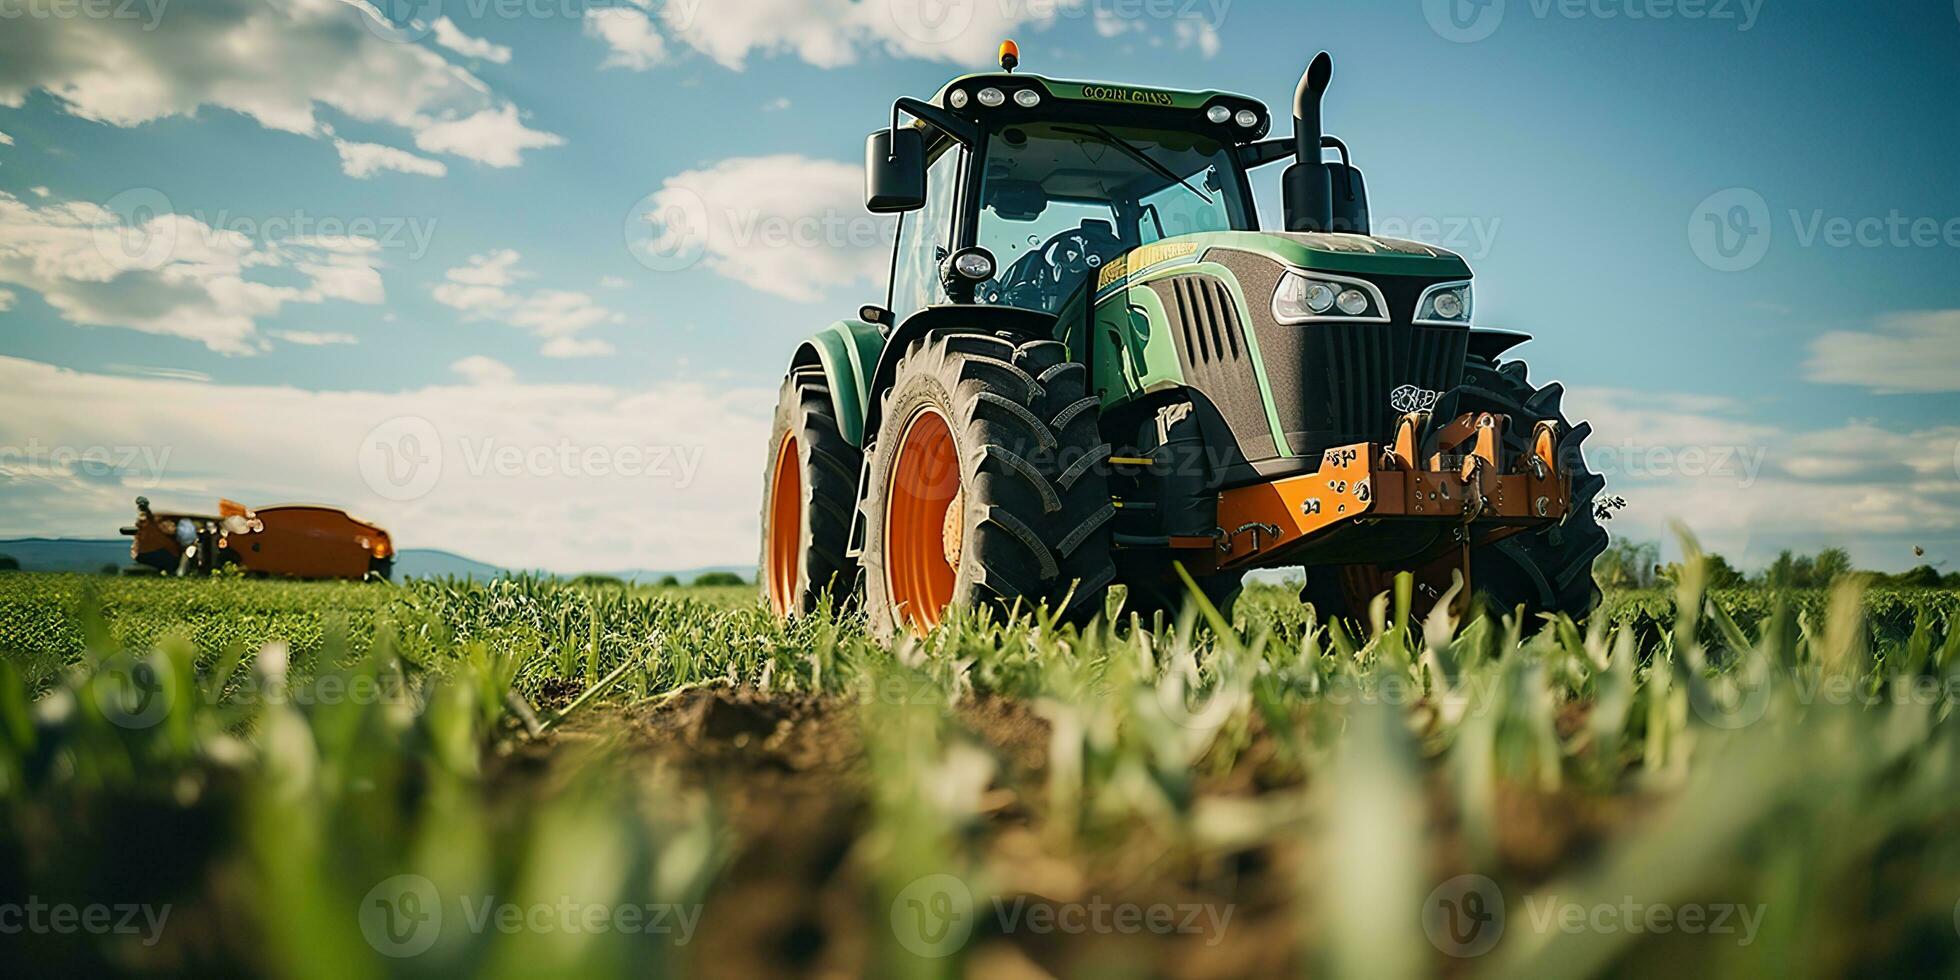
pixel 82 555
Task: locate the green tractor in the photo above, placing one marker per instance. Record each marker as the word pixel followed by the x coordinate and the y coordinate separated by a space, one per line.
pixel 1093 367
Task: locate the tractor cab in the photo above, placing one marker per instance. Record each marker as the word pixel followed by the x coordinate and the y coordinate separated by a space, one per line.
pixel 1041 182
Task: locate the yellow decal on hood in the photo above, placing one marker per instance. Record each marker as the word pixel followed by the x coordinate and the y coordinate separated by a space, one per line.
pixel 1141 259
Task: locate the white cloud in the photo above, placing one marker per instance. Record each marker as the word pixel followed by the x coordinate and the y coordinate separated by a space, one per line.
pixel 315 338
pixel 777 104
pixel 7 298
pixel 676 485
pixel 1751 489
pixel 363 160
pixel 275 62
pixel 483 290
pixel 493 136
pixel 612 282
pixel 1915 352
pixel 452 37
pixel 1196 32
pixel 40 192
pixel 170 274
pixel 576 347
pixel 787 225
pixel 833 33
pixel 482 370
pixel 6 140
pixel 630 36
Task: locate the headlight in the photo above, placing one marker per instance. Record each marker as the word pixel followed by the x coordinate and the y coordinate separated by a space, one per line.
pixel 1247 118
pixel 1219 114
pixel 957 98
pixel 1027 98
pixel 1302 297
pixel 974 265
pixel 992 97
pixel 1448 302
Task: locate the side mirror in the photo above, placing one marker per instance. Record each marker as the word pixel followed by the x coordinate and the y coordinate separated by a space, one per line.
pixel 895 171
pixel 1350 195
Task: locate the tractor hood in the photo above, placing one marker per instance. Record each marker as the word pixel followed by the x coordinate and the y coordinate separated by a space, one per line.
pixel 1359 255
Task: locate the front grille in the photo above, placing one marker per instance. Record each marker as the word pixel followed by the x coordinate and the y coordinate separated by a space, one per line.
pixel 1210 334
pixel 1364 363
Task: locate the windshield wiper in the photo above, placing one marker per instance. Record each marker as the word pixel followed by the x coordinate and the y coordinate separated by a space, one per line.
pixel 1135 153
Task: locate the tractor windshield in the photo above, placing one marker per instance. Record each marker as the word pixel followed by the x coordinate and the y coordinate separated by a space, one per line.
pixel 1059 200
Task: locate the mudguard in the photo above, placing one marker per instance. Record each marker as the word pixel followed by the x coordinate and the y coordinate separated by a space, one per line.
pixel 848 351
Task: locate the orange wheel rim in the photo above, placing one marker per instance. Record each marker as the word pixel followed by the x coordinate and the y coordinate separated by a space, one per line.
pixel 925 481
pixel 785 529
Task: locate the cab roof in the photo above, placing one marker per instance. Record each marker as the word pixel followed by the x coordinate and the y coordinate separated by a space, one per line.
pixel 1111 97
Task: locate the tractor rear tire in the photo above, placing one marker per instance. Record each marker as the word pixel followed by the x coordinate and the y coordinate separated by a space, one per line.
pixel 809 488
pixel 1546 571
pixel 1005 429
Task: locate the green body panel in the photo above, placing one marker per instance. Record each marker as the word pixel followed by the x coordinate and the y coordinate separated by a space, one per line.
pixel 848 351
pixel 1134 351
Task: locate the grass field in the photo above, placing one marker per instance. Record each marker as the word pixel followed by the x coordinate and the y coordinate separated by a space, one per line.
pixel 431 780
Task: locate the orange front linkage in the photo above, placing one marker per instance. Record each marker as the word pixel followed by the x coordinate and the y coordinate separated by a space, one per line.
pixel 1465 480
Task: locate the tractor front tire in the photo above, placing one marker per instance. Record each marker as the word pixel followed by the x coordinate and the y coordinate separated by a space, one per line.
pixel 987 486
pixel 809 487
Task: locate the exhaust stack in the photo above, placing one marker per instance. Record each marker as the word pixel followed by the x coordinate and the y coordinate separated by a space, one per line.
pixel 1309 185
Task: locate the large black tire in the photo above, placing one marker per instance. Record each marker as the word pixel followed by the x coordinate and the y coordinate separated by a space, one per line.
pixel 828 466
pixel 1034 525
pixel 1543 571
pixel 1549 570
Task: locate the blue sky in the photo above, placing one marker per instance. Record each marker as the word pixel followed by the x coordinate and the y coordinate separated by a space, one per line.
pixel 496 153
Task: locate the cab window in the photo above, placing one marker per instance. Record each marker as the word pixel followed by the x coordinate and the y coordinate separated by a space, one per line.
pixel 925 238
